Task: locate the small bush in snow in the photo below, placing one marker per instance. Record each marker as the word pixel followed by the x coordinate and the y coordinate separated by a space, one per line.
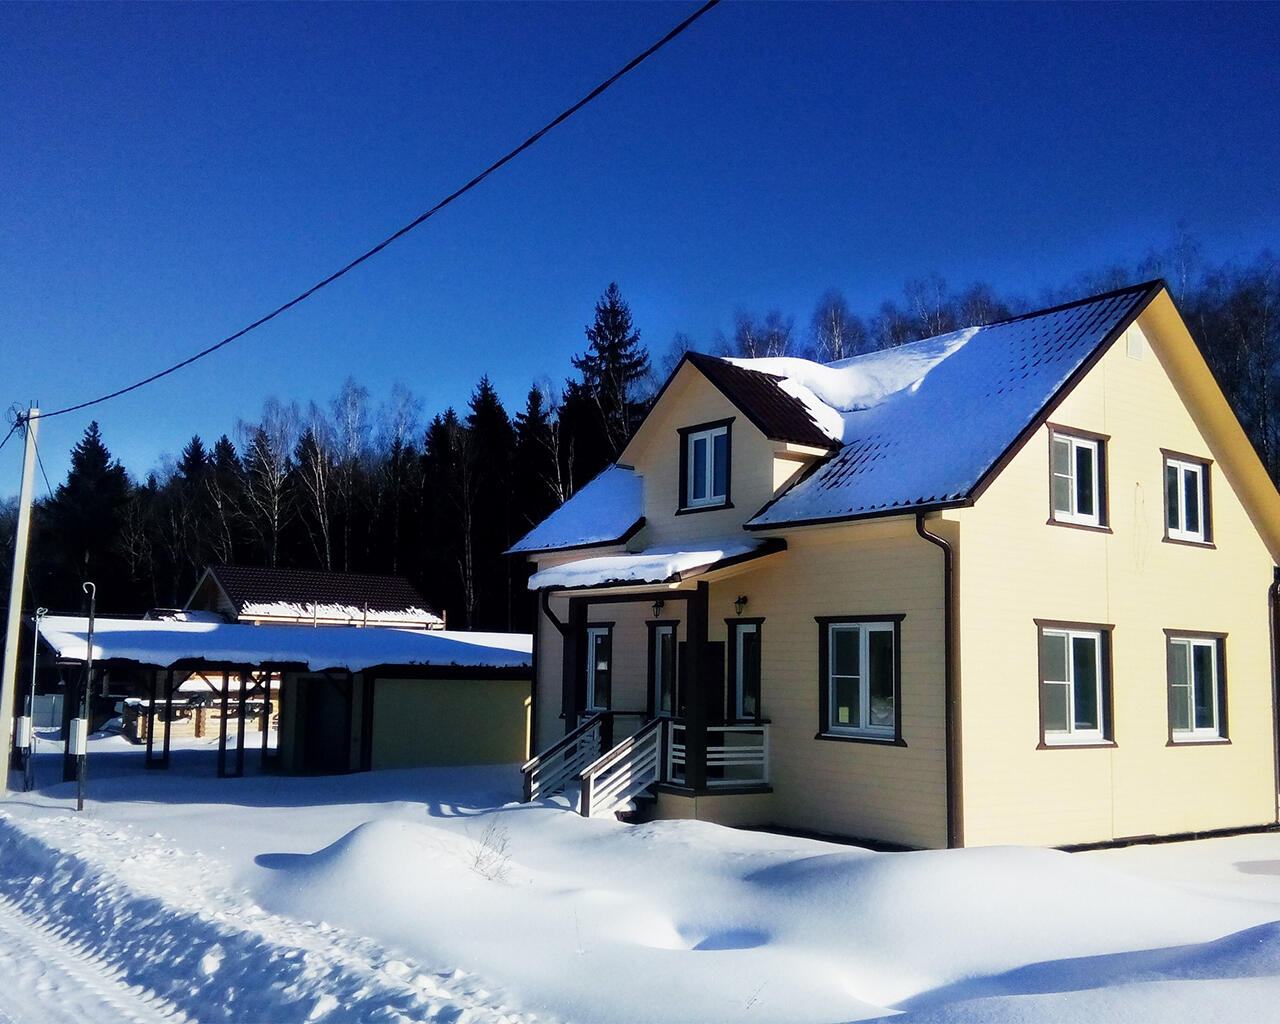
pixel 489 856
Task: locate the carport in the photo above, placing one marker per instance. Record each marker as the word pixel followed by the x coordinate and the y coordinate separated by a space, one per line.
pixel 350 699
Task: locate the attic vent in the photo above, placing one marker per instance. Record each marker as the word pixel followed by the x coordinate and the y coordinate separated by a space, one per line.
pixel 1133 340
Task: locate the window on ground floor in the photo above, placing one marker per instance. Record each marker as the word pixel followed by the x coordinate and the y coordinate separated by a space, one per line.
pixel 1075 684
pixel 744 669
pixel 860 684
pixel 1197 688
pixel 663 667
pixel 599 666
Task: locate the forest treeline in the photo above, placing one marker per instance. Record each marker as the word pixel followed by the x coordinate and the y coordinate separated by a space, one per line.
pixel 351 485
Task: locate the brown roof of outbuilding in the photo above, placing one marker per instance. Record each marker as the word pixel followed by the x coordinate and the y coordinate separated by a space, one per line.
pixel 245 585
pixel 778 415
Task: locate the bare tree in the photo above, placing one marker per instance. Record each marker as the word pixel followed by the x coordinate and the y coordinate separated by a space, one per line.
pixel 754 339
pixel 266 463
pixel 351 428
pixel 836 332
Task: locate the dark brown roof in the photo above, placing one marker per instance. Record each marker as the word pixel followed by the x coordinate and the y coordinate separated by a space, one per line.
pixel 245 585
pixel 778 415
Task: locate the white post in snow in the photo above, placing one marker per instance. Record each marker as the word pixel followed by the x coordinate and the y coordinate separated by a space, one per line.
pixel 8 682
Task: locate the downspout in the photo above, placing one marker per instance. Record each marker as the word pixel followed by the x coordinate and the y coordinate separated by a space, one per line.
pixel 1273 601
pixel 951 698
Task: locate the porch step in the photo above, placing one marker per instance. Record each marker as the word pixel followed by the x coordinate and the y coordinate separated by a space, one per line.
pixel 640 808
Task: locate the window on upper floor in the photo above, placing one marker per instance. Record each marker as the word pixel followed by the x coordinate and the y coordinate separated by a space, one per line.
pixel 1186 499
pixel 1197 690
pixel 859 687
pixel 704 466
pixel 1075 684
pixel 1077 475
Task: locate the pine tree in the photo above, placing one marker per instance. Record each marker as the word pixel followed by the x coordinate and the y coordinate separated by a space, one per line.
pixel 492 443
pixel 86 520
pixel 613 367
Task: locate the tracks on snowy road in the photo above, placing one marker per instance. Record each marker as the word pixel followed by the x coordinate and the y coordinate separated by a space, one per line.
pixel 48 980
pixel 191 951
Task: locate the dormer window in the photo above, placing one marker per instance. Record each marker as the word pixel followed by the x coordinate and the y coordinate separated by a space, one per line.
pixel 704 466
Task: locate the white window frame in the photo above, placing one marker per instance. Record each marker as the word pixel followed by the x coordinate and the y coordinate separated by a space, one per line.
pixel 1075 444
pixel 660 630
pixel 835 728
pixel 1186 468
pixel 1196 734
pixel 707 437
pixel 740 629
pixel 593 632
pixel 1073 735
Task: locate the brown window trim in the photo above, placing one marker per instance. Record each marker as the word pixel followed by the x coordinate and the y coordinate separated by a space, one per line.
pixel 731 670
pixel 586 628
pixel 1220 653
pixel 824 681
pixel 1206 497
pixel 1102 440
pixel 1106 708
pixel 682 492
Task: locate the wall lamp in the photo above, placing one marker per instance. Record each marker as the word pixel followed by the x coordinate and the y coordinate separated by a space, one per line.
pixel 657 607
pixel 740 603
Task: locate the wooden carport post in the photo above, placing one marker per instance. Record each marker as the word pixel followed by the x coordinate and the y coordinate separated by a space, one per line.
pixel 222 730
pixel 168 714
pixel 266 714
pixel 245 676
pixel 151 717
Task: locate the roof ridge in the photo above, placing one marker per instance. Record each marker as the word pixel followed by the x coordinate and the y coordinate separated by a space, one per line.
pixel 1135 289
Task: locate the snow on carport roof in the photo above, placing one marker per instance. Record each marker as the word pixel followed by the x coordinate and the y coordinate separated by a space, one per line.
pixel 323 647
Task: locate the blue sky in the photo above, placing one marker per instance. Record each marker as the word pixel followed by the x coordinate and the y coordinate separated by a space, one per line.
pixel 172 172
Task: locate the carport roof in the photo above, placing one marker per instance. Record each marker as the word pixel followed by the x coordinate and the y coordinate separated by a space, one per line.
pixel 165 644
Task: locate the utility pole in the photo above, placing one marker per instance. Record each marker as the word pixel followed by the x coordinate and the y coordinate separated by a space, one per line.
pixel 29 764
pixel 8 681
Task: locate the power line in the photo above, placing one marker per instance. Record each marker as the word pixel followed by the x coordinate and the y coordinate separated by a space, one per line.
pixel 535 137
pixel 40 462
pixel 16 424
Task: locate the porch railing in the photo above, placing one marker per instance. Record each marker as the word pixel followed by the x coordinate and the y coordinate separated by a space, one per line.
pixel 629 768
pixel 737 755
pixel 560 764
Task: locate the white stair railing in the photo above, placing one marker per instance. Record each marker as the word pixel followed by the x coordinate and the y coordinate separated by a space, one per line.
pixel 552 770
pixel 737 755
pixel 631 767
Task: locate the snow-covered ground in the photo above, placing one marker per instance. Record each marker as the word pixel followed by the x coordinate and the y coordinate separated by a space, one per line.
pixel 431 895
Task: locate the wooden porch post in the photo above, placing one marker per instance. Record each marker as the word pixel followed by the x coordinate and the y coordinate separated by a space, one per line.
pixel 575 642
pixel 695 715
pixel 168 714
pixel 245 676
pixel 222 730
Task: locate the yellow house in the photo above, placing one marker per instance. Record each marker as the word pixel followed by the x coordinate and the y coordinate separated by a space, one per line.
pixel 1015 584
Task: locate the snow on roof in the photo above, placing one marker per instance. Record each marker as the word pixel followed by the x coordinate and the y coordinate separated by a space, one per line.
pixel 858 382
pixel 657 565
pixel 924 422
pixel 348 612
pixel 604 511
pixel 323 647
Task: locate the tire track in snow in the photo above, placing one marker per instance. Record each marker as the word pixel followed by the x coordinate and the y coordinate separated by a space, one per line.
pixel 50 981
pixel 212 953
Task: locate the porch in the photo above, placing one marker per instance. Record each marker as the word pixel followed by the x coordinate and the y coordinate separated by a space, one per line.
pixel 654 756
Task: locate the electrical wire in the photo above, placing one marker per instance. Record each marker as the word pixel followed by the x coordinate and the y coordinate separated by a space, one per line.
pixel 16 424
pixel 535 137
pixel 40 463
